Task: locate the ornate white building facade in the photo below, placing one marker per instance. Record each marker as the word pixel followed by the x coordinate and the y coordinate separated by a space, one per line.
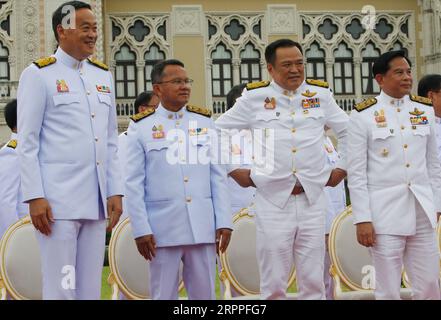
pixel 226 47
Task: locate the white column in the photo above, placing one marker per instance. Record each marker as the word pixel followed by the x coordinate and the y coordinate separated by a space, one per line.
pixel 140 65
pixel 330 71
pixel 357 79
pixel 263 70
pixel 236 71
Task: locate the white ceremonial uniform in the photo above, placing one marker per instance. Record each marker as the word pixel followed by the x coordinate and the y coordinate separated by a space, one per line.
pixel 12 207
pixel 177 194
pixel 289 228
pixel 68 155
pixel 394 179
pixel 242 153
pixel 438 136
pixel 122 145
pixel 335 204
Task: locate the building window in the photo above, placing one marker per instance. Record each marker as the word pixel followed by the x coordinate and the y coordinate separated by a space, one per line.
pixel 221 72
pixel 151 57
pixel 343 70
pixel 369 55
pixel 125 73
pixel 250 64
pixel 315 66
pixel 4 64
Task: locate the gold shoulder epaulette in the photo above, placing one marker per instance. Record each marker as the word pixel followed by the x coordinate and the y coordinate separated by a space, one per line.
pixel 199 110
pixel 318 83
pixel 423 100
pixel 257 85
pixel 12 144
pixel 365 104
pixel 98 64
pixel 139 116
pixel 44 62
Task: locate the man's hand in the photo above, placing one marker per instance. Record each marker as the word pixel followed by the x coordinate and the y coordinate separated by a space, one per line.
pixel 337 175
pixel 366 234
pixel 41 215
pixel 146 246
pixel 114 211
pixel 223 237
pixel 242 177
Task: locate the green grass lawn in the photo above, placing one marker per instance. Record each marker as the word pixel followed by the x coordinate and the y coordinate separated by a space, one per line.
pixel 106 291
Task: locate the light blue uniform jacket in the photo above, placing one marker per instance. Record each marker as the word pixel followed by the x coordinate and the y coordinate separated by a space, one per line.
pixel 178 199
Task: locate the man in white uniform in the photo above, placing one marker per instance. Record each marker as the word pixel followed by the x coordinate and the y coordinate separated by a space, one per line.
pixel 335 204
pixel 395 181
pixel 241 157
pixel 68 156
pixel 12 207
pixel 290 114
pixel 430 87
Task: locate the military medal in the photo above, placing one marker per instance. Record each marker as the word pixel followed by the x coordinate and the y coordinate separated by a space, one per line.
pixel 418 118
pixel 103 89
pixel 158 132
pixel 235 150
pixel 380 119
pixel 311 103
pixel 62 86
pixel 270 104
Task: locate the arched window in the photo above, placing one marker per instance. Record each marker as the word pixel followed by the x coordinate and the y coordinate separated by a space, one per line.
pixel 369 54
pixel 399 46
pixel 250 64
pixel 4 64
pixel 151 57
pixel 125 73
pixel 315 66
pixel 343 70
pixel 221 72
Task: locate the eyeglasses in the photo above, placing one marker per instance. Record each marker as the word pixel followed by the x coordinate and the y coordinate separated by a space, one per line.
pixel 179 82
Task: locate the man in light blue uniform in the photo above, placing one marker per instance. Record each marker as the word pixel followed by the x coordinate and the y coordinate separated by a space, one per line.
pixel 177 197
pixel 68 157
pixel 12 207
pixel 143 101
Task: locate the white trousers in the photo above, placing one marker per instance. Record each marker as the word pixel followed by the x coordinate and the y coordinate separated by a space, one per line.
pixel 294 234
pixel 329 284
pixel 199 271
pixel 72 259
pixel 420 255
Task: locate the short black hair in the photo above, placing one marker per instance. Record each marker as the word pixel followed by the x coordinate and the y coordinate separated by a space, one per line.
pixel 11 114
pixel 58 16
pixel 270 51
pixel 158 69
pixel 430 82
pixel 143 99
pixel 234 93
pixel 382 64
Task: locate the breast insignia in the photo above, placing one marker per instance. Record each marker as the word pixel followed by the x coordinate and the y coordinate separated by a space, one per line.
pixel 199 110
pixel 44 62
pixel 142 115
pixel 365 104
